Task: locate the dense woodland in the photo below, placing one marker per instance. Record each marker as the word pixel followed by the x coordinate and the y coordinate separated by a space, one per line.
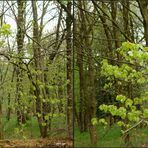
pixel 111 57
pixel 36 69
pixel 74 70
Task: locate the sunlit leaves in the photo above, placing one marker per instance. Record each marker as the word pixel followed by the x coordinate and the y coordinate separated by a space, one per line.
pixel 134 53
pixel 102 121
pixel 128 103
pixel 103 107
pixel 134 115
pixel 121 98
pixel 112 109
pixel 145 113
pixel 46 117
pixel 120 123
pixel 44 124
pixel 137 101
pixel 94 121
pixel 121 112
pixel 130 72
pixel 5 30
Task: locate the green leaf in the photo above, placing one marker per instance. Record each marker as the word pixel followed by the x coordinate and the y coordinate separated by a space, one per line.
pixel 39 115
pixel 103 107
pixel 120 123
pixel 128 102
pixel 46 117
pixel 145 113
pixel 94 121
pixel 137 101
pixel 112 109
pixel 121 98
pixel 44 124
pixel 5 29
pixel 134 115
pixel 102 121
pixel 121 112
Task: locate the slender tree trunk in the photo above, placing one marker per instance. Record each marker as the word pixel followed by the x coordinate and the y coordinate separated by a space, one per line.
pixel 143 4
pixel 41 107
pixel 91 100
pixel 9 108
pixel 87 100
pixel 80 58
pixel 69 72
pixel 126 17
pixel 20 41
pixel 114 17
pixel 1 126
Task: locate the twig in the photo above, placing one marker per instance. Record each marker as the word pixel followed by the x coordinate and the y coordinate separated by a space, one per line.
pixel 133 126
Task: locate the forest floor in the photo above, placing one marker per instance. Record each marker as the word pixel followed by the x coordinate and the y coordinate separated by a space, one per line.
pixel 33 143
pixel 28 135
pixel 111 137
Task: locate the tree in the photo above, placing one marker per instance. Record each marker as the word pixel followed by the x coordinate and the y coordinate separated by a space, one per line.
pixel 69 71
pixel 20 51
pixel 144 12
pixel 130 72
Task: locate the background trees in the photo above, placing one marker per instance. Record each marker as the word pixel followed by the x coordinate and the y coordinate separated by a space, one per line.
pixel 101 28
pixel 36 55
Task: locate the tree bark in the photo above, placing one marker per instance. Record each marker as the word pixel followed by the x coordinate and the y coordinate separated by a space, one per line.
pixel 143 4
pixel 41 107
pixel 1 125
pixel 80 58
pixel 20 43
pixel 69 71
pixel 91 100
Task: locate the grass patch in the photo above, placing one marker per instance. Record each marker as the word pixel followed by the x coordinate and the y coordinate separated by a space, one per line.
pixel 110 137
pixel 14 131
pixel 30 130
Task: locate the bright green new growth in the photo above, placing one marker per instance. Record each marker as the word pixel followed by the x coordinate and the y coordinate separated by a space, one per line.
pixel 5 30
pixel 131 69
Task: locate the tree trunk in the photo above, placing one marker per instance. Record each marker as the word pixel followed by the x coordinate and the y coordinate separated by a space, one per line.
pixel 126 18
pixel 20 41
pixel 87 85
pixel 143 4
pixel 41 107
pixel 1 125
pixel 69 72
pixel 9 108
pixel 79 43
pixel 91 100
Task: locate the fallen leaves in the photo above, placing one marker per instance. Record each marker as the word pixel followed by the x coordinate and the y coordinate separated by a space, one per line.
pixel 39 143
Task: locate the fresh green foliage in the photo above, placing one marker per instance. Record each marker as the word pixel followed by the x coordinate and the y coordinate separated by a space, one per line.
pixel 102 121
pixel 94 121
pixel 5 30
pixel 132 70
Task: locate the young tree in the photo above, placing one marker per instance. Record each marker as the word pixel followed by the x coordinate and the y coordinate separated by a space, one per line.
pixel 69 70
pixel 20 51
